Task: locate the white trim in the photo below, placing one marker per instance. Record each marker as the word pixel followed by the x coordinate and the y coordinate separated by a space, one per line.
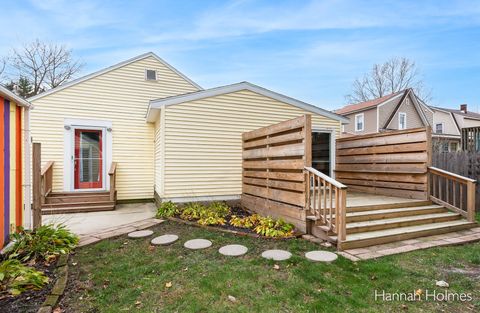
pixel 332 146
pixel 68 144
pixel 362 115
pixel 111 68
pixel 443 128
pixel 13 97
pixel 27 141
pixel 161 192
pixel 164 102
pixel 399 120
pixel 378 119
pixel 201 198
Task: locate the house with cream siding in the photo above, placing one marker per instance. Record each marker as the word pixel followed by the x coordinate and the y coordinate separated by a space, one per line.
pixel 169 138
pixel 396 111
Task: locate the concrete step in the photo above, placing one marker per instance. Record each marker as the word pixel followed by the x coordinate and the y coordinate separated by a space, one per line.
pixel 359 227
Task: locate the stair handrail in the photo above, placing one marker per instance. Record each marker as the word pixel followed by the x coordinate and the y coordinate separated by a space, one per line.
pixel 113 175
pixel 46 180
pixel 442 186
pixel 326 199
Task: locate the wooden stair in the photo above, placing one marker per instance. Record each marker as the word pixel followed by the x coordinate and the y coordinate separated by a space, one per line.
pixel 76 202
pixel 380 224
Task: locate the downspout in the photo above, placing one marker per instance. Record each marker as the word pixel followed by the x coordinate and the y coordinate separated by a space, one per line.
pixel 27 216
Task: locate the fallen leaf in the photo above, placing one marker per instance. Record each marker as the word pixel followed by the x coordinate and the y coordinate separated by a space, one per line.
pixel 185 269
pixel 441 283
pixel 169 284
pixel 373 277
pixel 276 266
pixel 151 248
pixel 57 310
pixel 74 263
pixel 138 302
pixel 232 298
pixel 419 292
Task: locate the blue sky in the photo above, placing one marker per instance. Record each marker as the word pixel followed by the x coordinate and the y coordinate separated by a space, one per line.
pixel 310 50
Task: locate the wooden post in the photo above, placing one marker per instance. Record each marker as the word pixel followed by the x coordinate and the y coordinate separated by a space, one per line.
pixel 342 212
pixel 471 201
pixel 37 185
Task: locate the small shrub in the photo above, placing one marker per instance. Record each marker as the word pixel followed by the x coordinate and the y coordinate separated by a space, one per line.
pixel 220 209
pixel 245 222
pixel 214 214
pixel 192 211
pixel 211 220
pixel 16 278
pixel 46 243
pixel 273 228
pixel 167 209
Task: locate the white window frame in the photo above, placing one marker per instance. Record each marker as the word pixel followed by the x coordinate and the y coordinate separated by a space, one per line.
pixel 443 128
pixel 151 80
pixel 68 143
pixel 362 116
pixel 400 114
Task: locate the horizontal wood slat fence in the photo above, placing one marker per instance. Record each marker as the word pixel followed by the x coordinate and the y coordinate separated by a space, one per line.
pixel 464 163
pixel 390 163
pixel 274 158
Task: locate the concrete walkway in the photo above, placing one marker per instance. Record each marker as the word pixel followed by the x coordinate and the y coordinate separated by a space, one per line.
pixel 84 224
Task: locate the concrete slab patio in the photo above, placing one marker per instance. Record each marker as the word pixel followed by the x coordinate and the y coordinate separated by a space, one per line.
pixel 95 222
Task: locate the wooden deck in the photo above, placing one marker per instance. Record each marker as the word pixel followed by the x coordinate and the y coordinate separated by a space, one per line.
pixel 357 199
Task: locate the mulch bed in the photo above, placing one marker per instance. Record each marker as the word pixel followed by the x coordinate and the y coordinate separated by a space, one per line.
pixel 30 301
pixel 239 212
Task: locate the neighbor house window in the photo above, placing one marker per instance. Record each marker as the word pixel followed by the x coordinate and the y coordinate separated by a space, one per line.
pixel 150 75
pixel 359 122
pixel 402 120
pixel 453 146
pixel 439 128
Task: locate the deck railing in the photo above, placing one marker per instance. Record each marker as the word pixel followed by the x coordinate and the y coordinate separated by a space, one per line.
pixel 326 200
pixel 453 191
pixel 46 180
pixel 113 175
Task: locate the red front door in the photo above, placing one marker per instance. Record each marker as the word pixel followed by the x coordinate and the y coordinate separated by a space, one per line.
pixel 88 159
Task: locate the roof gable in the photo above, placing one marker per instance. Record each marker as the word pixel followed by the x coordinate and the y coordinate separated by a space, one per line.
pixel 416 105
pixel 356 107
pixel 164 102
pixel 111 68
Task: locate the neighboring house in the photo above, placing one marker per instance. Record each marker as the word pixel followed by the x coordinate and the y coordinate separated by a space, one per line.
pixel 449 123
pixel 397 111
pixel 14 155
pixel 170 138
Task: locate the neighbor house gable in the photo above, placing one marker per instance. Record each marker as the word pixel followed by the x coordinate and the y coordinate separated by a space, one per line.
pixel 409 105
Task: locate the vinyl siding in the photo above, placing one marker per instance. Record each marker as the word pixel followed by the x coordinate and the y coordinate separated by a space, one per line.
pixel 120 96
pixel 370 120
pixel 413 117
pixel 386 110
pixel 449 127
pixel 203 147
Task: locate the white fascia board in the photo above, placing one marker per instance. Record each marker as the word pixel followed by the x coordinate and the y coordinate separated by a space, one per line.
pixel 164 102
pixel 14 98
pixel 111 68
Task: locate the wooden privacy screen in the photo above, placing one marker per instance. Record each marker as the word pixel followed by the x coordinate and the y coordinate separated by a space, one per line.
pixel 273 161
pixel 393 163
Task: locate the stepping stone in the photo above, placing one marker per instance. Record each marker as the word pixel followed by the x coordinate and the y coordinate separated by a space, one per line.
pixel 196 244
pixel 140 234
pixel 321 256
pixel 164 240
pixel 233 250
pixel 276 255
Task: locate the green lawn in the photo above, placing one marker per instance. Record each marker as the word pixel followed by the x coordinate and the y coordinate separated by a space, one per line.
pixel 123 275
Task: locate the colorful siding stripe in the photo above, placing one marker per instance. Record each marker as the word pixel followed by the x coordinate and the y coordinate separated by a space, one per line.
pixel 18 173
pixel 6 168
pixel 2 174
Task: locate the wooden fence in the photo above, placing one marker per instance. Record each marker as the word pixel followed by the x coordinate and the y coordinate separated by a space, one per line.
pixel 464 163
pixel 274 158
pixel 391 163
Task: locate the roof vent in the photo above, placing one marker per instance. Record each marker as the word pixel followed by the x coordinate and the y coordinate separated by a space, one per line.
pixel 150 75
pixel 463 108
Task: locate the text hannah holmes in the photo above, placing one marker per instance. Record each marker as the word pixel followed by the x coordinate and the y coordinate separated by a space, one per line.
pixel 426 295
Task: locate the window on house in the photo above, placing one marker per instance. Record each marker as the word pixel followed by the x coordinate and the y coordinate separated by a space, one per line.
pixel 402 120
pixel 150 75
pixel 454 146
pixel 445 147
pixel 359 122
pixel 343 128
pixel 439 128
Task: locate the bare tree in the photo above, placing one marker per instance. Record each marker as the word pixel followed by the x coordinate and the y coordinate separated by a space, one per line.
pixel 3 63
pixel 394 75
pixel 44 65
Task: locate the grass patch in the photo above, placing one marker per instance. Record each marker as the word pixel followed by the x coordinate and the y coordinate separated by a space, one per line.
pixel 128 275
